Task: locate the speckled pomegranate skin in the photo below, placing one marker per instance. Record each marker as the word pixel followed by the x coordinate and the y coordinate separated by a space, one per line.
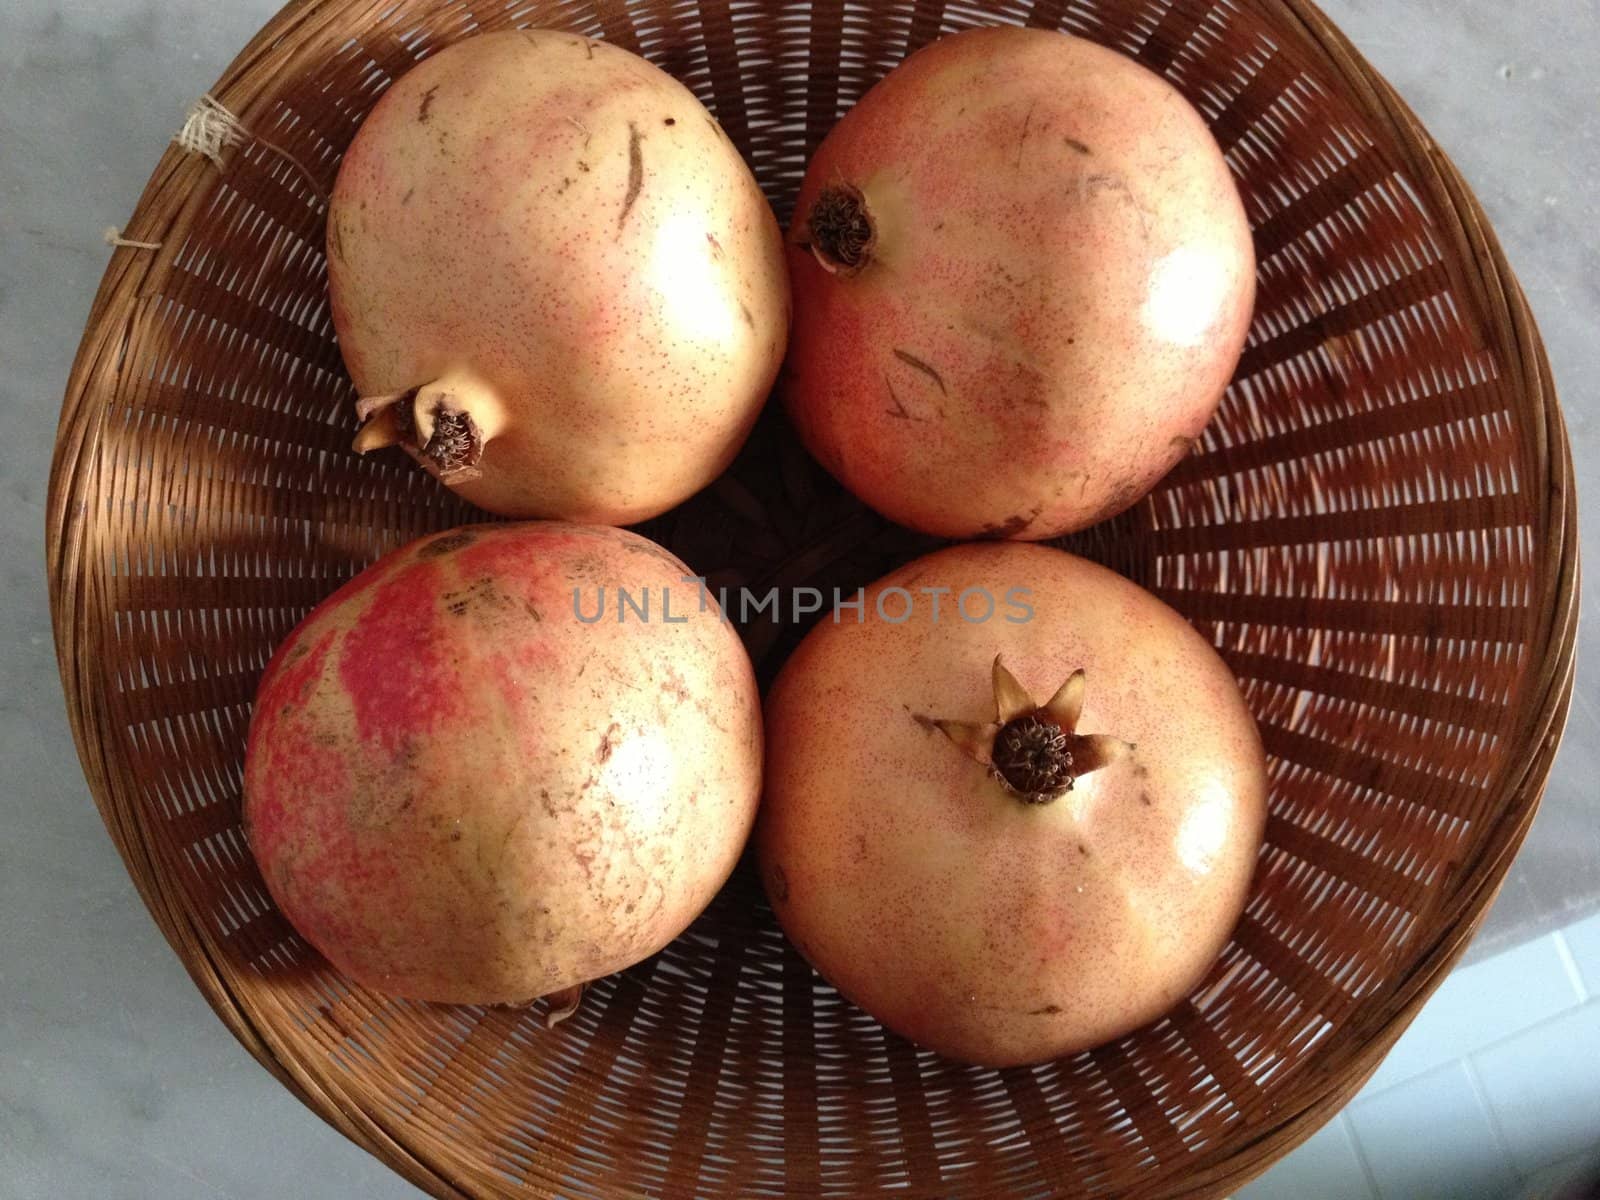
pixel 990 930
pixel 565 228
pixel 1059 290
pixel 458 791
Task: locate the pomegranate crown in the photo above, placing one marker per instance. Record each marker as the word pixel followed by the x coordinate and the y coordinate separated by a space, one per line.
pixel 1034 750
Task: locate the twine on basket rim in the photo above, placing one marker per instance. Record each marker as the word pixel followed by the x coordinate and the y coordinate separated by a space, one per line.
pixel 210 127
pixel 113 237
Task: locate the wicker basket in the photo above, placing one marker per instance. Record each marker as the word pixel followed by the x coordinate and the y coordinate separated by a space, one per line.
pixel 1377 530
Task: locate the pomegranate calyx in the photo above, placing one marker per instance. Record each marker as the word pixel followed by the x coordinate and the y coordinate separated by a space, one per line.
pixel 841 230
pixel 562 1004
pixel 1066 706
pixel 383 429
pixel 1011 699
pixel 385 420
pixel 975 741
pixel 1092 751
pixel 455 445
pixel 1033 760
pixel 1034 751
pixel 445 425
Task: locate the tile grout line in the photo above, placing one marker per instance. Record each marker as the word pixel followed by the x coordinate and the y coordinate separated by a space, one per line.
pixel 1481 1095
pixel 1465 1052
pixel 1361 1154
pixel 1570 964
pixel 1580 998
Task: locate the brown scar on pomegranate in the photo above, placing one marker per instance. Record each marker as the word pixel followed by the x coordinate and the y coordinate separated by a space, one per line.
pixel 608 743
pixel 674 686
pixel 445 543
pixel 581 128
pixel 1089 186
pixel 1122 497
pixel 913 577
pixel 426 105
pixel 1023 140
pixel 480 593
pixel 635 174
pixel 897 408
pixel 1011 526
pixel 651 550
pixel 917 364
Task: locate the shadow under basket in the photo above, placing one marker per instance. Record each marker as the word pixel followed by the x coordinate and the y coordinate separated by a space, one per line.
pixel 1377 531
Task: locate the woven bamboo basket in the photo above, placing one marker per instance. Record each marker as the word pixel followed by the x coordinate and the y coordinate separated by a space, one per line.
pixel 1377 531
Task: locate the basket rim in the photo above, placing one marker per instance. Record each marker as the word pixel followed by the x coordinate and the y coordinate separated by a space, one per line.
pixel 180 184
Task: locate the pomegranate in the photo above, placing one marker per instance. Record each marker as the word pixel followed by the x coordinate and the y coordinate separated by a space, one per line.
pixel 1016 837
pixel 461 786
pixel 554 280
pixel 1023 278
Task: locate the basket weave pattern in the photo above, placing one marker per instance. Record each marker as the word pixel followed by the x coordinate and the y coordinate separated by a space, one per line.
pixel 1377 531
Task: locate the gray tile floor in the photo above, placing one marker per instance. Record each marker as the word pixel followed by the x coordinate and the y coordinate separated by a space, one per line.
pixel 115 1080
pixel 1492 1085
